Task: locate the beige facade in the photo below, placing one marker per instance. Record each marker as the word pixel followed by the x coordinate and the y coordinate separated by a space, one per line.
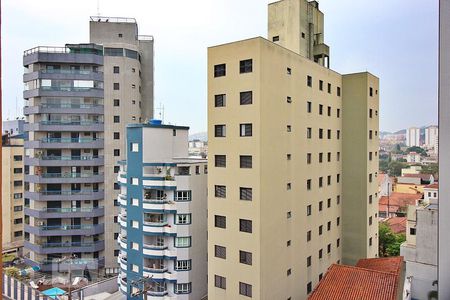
pixel 276 139
pixel 12 189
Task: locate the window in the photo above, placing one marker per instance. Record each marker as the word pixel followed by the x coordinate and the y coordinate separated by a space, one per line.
pixel 288 71
pixel 320 133
pixel 309 106
pixel 116 86
pixel 320 229
pixel 17 170
pixel 329 88
pixel 370 241
pixel 220 70
pixel 18 208
pixel 220 251
pixel 338 199
pixel 320 109
pixel 116 252
pixel 338 134
pixel 18 221
pixel 134 246
pixel 308 236
pixel 308 184
pixel 116 102
pixel 17 158
pixel 183 242
pixel 289 128
pixel 303 35
pixel 370 91
pixel 338 113
pixel 219 130
pixel 288 243
pixel 183 219
pixel 309 288
pixel 370 199
pixel 183 265
pixel 245 161
pixel 116 135
pixel 289 214
pixel 116 119
pixel 288 186
pixel 329 202
pixel 308 158
pixel 320 157
pixel 246 98
pixel 134 147
pixel 328 225
pixel 220 191
pixel 338 91
pixel 245 289
pixel 309 132
pixel 220 100
pixel 308 261
pixel 329 111
pixel 320 182
pixel 309 81
pixel 320 253
pixel 220 282
pixel 246 66
pixel 370 134
pixel 320 205
pixel 183 288
pixel 370 113
pixel 116 152
pixel 321 85
pixel 116 169
pixel 329 134
pixel 245 257
pixel 329 248
pixel 245 193
pixel 246 130
pixel 412 231
pixel 134 224
pixel 289 272
pixel 329 156
pixel 220 221
pixel 308 210
pixel 338 221
pixel 220 161
pixel 370 177
pixel 134 202
pixel 183 196
pixel 320 276
pixel 288 99
pixel 116 186
pixel 338 178
pixel 17 195
pixel 114 51
pixel 276 38
pixel 116 70
pixel 245 225
pixel 18 183
pixel 288 156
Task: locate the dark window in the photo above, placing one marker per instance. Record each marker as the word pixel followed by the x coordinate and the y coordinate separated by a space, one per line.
pixel 329 88
pixel 220 282
pixel 246 97
pixel 116 70
pixel 329 111
pixel 329 248
pixel 288 243
pixel 370 113
pixel 289 71
pixel 308 184
pixel 338 221
pixel 320 157
pixel 220 221
pixel 338 243
pixel 245 193
pixel 245 257
pixel 220 251
pixel 309 132
pixel 116 119
pixel 116 152
pixel 116 169
pixel 320 109
pixel 220 70
pixel 328 225
pixel 321 85
pixel 329 134
pixel 289 99
pixel 116 102
pixel 329 202
pixel 220 161
pixel 308 158
pixel 370 155
pixel 338 200
pixel 18 233
pixel 17 158
pixel 338 91
pixel 220 191
pixel 309 106
pixel 320 205
pixel 245 289
pixel 276 38
pixel 303 35
pixel 114 51
pixel 246 129
pixel 370 242
pixel 219 130
pixel 338 134
pixel 116 135
pixel 320 133
pixel 116 203
pixel 220 100
pixel 370 199
pixel 245 225
pixel 18 183
pixel 412 231
pixel 116 252
pixel 320 253
pixel 329 180
pixel 370 92
pixel 320 229
pixel 116 186
pixel 18 221
pixel 131 54
pixel 18 208
pixel 329 156
pixel 116 86
pixel 288 156
pixel 308 261
pixel 17 170
pixel 289 272
pixel 245 161
pixel 246 66
pixel 338 113
pixel 309 287
pixel 309 81
pixel 308 210
pixel 308 236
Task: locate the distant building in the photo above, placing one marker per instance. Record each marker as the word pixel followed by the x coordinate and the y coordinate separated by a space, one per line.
pixel 386 184
pixel 413 137
pixel 420 248
pixel 396 204
pixel 411 170
pixel 431 137
pixel 13 127
pixel 198 148
pixel 413 157
pixel 397 224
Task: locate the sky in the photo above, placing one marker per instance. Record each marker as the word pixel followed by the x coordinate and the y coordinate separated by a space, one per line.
pixel 396 40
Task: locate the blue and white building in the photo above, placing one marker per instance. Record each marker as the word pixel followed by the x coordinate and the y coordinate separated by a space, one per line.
pixel 163 216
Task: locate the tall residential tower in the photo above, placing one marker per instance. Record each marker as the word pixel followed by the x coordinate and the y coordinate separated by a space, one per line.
pixel 279 123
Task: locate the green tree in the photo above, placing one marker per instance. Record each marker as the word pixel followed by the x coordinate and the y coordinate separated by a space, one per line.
pixel 384 165
pixel 416 149
pixel 389 242
pixel 395 168
pixel 430 169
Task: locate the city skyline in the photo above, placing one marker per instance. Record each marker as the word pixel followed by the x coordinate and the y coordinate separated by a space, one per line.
pixel 403 93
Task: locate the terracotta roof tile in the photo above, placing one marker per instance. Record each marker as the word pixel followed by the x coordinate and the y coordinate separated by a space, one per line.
pixel 432 186
pixel 384 264
pixel 397 200
pixel 397 224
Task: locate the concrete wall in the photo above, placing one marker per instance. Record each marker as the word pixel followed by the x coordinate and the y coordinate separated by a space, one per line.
pixel 161 145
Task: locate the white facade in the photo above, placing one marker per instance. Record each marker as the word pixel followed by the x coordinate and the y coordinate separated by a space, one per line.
pixel 413 157
pixel 431 137
pixel 413 137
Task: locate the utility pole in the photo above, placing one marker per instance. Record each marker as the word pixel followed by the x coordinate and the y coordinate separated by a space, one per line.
pixel 143 286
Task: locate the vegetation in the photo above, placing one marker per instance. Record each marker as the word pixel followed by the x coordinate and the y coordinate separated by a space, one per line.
pixel 6 258
pixel 395 168
pixel 430 169
pixel 389 242
pixel 12 272
pixel 416 149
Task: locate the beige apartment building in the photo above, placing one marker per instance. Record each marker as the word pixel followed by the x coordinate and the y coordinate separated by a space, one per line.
pixel 12 190
pixel 279 123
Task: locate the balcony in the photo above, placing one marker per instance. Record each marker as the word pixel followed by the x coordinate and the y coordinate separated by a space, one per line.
pixel 79 54
pixel 71 212
pixel 122 262
pixel 160 274
pixel 161 252
pixel 96 126
pixel 75 264
pixel 65 195
pixel 160 228
pixel 66 143
pixel 69 247
pixel 47 108
pixel 62 161
pixel 165 205
pixel 163 182
pixel 65 177
pixel 123 220
pixel 64 74
pixel 122 200
pixel 60 91
pixel 64 230
pixel 122 242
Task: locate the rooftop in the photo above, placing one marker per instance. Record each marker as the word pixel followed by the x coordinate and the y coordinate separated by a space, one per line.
pixel 384 264
pixel 432 186
pixel 397 224
pixel 400 199
pixel 113 19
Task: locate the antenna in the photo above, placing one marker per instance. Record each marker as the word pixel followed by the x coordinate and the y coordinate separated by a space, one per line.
pixel 161 112
pixel 98 7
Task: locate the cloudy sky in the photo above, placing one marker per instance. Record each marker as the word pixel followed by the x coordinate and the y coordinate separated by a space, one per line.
pixel 396 40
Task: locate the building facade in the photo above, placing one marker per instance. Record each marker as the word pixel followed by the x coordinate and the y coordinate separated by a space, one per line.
pixel 163 215
pixel 13 127
pixel 277 149
pixel 12 190
pixel 413 137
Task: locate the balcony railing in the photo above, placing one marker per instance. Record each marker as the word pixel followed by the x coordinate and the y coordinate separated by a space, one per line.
pixel 83 157
pixel 158 270
pixel 73 72
pixel 70 209
pixel 70 175
pixel 156 201
pixel 69 244
pixel 69 140
pixel 67 193
pixel 155 224
pixel 66 227
pixel 69 105
pixel 75 49
pixel 69 89
pixel 155 247
pixel 69 122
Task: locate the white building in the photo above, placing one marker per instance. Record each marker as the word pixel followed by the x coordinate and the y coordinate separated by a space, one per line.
pixel 413 157
pixel 163 199
pixel 420 248
pixel 413 137
pixel 431 137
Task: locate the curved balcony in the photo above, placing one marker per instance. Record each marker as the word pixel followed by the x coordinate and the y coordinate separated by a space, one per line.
pixel 122 281
pixel 69 247
pixel 123 263
pixel 122 242
pixel 159 205
pixel 154 251
pixel 64 126
pixel 75 264
pixel 122 200
pixel 161 274
pixel 65 143
pixel 71 212
pixel 65 178
pixel 65 230
pixel 162 228
pixel 53 91
pixel 123 220
pixel 62 161
pixel 160 182
pixel 65 195
pixel 47 108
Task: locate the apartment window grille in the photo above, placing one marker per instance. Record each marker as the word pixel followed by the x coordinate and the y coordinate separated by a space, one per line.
pixel 246 66
pixel 246 98
pixel 183 242
pixel 246 129
pixel 329 88
pixel 116 102
pixel 245 257
pixel 183 219
pixel 245 193
pixel 321 85
pixel 245 289
pixel 220 70
pixel 220 191
pixel 320 109
pixel 219 130
pixel 245 225
pixel 220 100
pixel 183 265
pixel 220 251
pixel 308 210
pixel 220 282
pixel 276 38
pixel 412 231
pixel 116 86
pixel 116 135
pixel 220 221
pixel 116 70
pixel 116 152
pixel 308 158
pixel 308 106
pixel 309 132
pixel 220 161
pixel 245 161
pixel 183 288
pixel 183 195
pixel 309 81
pixel 116 119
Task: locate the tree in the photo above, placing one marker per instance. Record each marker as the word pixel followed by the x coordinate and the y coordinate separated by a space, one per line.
pixel 384 165
pixel 395 168
pixel 416 149
pixel 389 242
pixel 430 169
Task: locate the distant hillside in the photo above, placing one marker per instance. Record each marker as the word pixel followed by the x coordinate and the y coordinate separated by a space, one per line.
pixel 202 136
pixel 403 131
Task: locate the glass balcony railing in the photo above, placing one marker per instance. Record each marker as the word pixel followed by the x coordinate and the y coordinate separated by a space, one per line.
pixel 67 193
pixel 84 157
pixel 67 227
pixel 69 88
pixel 70 122
pixel 69 209
pixel 78 261
pixel 69 140
pixel 69 105
pixel 72 72
pixel 69 244
pixel 70 175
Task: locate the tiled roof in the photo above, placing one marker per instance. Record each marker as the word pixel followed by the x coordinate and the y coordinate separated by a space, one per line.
pixel 397 224
pixel 384 264
pixel 398 200
pixel 432 186
pixel 424 177
pixel 354 283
